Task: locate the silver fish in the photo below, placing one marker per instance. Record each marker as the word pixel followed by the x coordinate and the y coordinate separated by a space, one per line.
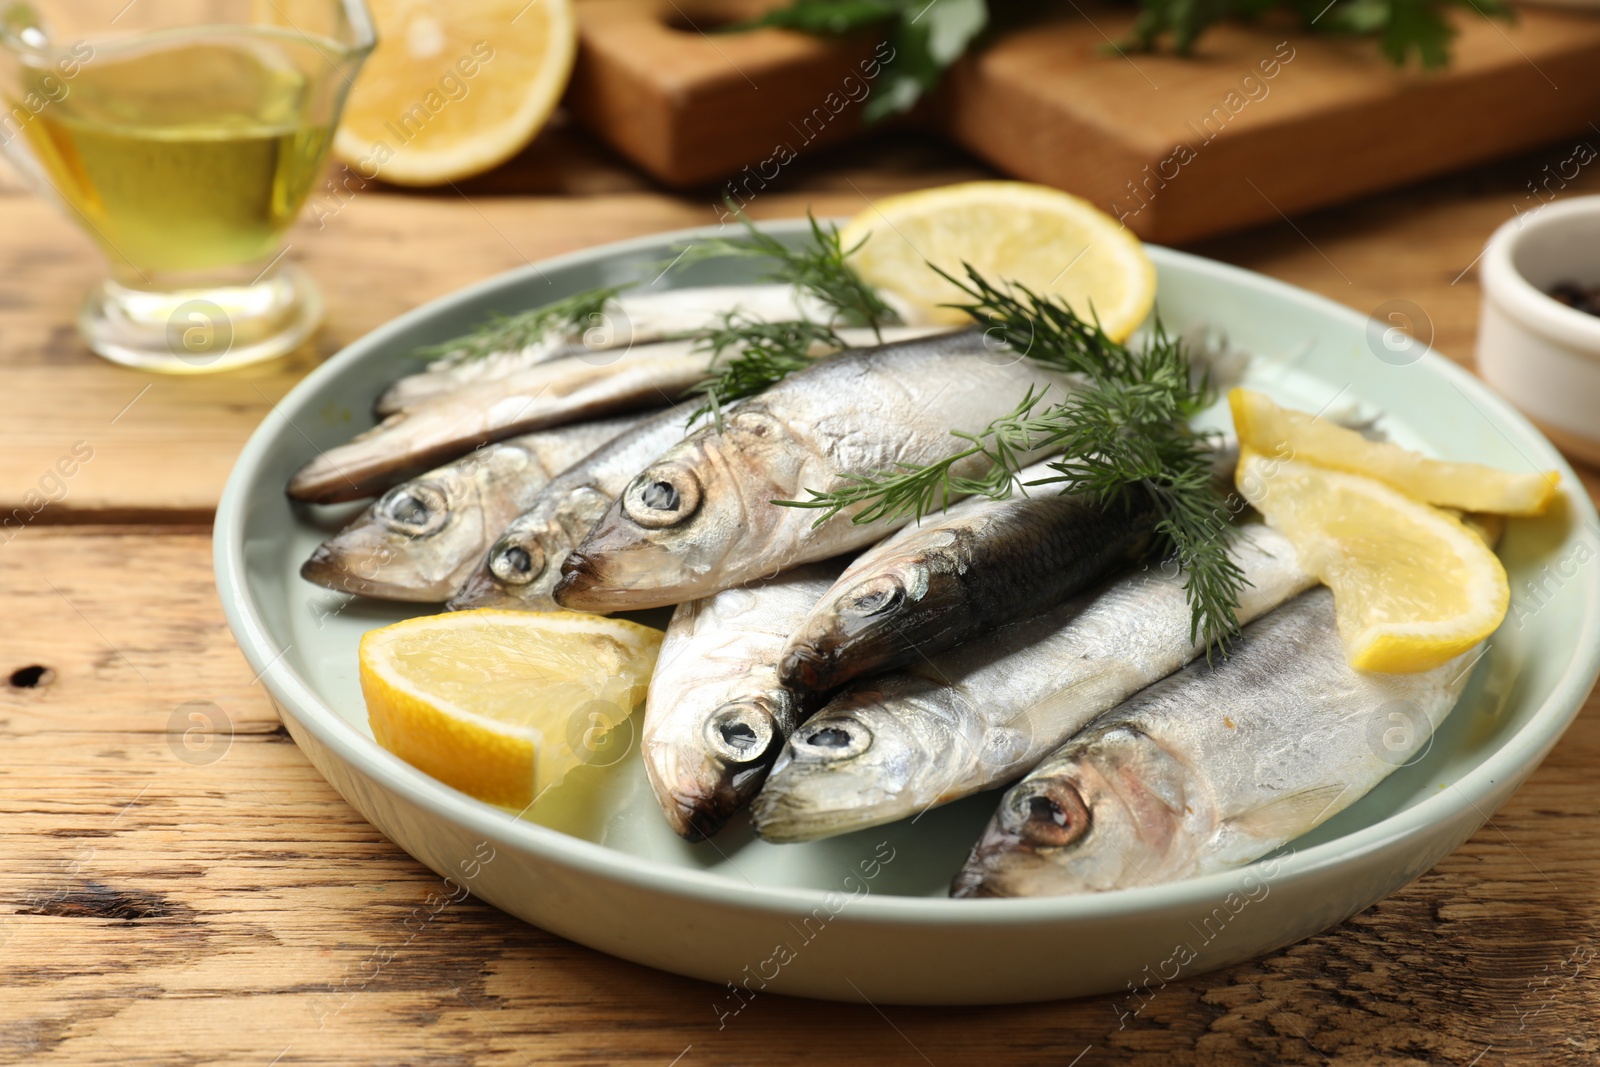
pixel 717 714
pixel 982 563
pixel 702 518
pixel 523 562
pixel 1214 767
pixel 421 539
pixel 549 394
pixel 631 318
pixel 988 710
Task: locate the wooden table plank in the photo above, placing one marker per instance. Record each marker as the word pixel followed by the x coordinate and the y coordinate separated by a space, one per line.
pixel 173 903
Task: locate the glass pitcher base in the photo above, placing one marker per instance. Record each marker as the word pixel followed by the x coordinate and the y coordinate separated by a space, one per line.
pixel 201 330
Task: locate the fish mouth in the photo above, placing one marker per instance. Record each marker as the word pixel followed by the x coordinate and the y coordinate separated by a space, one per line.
pixel 742 741
pixel 604 581
pixel 822 664
pixel 859 636
pixel 1043 816
pixel 972 882
pixel 699 816
pixel 980 876
pixel 698 811
pixel 483 590
pixel 333 570
pixel 804 667
pixel 813 793
pixel 582 586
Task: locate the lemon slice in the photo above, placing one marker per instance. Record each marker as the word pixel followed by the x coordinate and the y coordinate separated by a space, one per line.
pixel 1266 428
pixel 1047 240
pixel 1412 586
pixel 502 704
pixel 452 90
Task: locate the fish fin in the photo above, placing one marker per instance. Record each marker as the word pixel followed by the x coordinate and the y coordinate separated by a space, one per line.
pixel 1293 814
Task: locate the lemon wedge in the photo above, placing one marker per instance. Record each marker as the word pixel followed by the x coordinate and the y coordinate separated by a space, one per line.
pixel 1051 242
pixel 1412 586
pixel 1266 428
pixel 502 704
pixel 452 90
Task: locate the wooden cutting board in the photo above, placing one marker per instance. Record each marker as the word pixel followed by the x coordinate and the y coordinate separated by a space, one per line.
pixel 691 105
pixel 1265 121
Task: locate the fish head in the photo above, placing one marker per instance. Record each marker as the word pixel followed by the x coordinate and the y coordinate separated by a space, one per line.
pixel 416 542
pixel 523 565
pixel 690 523
pixel 702 783
pixel 857 763
pixel 869 624
pixel 1110 816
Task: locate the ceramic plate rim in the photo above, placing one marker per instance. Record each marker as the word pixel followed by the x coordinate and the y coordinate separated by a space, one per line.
pixel 1517 756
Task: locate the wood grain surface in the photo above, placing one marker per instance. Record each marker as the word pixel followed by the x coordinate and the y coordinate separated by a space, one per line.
pixel 180 886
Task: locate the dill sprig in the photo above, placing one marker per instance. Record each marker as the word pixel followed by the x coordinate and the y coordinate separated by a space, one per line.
pixel 512 333
pixel 761 353
pixel 818 268
pixel 1125 427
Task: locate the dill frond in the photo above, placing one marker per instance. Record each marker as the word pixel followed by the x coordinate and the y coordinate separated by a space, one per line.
pixel 512 333
pixel 1124 429
pixel 762 353
pixel 818 268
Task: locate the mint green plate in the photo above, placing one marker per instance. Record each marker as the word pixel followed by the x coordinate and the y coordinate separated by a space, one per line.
pixel 864 916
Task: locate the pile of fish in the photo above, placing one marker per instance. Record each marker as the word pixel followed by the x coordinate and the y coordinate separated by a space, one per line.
pixel 826 677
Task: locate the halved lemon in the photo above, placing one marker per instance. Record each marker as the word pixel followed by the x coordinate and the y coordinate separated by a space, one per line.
pixel 452 90
pixel 1265 427
pixel 1413 587
pixel 1052 242
pixel 503 704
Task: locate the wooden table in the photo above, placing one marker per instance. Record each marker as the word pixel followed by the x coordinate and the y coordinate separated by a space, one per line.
pixel 168 902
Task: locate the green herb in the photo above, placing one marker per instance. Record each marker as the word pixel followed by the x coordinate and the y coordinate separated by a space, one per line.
pixel 512 333
pixel 818 268
pixel 928 35
pixel 1403 27
pixel 1126 427
pixel 765 352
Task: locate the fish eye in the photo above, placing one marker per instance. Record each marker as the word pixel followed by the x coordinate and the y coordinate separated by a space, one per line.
pixel 415 509
pixel 877 596
pixel 842 740
pixel 661 498
pixel 741 732
pixel 517 559
pixel 1055 817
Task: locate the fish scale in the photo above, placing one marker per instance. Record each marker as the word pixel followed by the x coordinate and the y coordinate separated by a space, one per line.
pixel 716 712
pixel 859 412
pixel 631 318
pixel 561 514
pixel 982 563
pixel 421 539
pixel 556 393
pixel 1213 767
pixel 984 712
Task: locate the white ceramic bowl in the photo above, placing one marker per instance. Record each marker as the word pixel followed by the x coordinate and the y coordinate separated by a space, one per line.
pixel 866 915
pixel 1539 353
